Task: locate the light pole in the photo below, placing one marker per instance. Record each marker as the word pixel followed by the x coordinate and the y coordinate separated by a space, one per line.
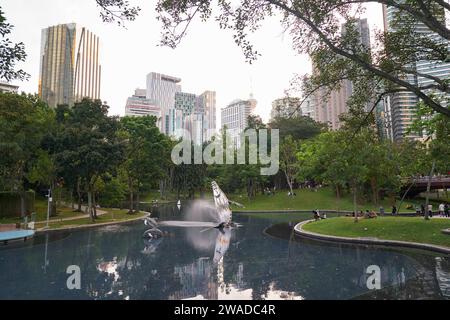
pixel 49 202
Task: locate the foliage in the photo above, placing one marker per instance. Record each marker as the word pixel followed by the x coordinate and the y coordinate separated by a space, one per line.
pixel 10 53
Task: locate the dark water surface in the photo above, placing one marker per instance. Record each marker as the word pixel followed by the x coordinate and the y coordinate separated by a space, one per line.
pixel 258 260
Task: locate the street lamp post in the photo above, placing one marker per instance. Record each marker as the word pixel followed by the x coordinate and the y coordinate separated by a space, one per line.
pixel 49 202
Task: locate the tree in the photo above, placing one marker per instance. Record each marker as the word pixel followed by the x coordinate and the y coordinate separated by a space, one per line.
pixel 298 127
pixel 10 53
pixel 24 120
pixel 145 153
pixel 89 146
pixel 288 160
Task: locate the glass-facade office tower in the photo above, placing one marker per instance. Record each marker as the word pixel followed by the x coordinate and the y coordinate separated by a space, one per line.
pixel 403 105
pixel 69 65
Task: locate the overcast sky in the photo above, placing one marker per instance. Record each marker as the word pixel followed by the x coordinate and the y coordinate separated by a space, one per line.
pixel 207 59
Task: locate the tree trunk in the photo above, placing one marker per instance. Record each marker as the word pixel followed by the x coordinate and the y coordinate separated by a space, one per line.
pixel 72 204
pixel 79 196
pixel 289 182
pixel 138 200
pixel 90 204
pixel 94 201
pixel 355 206
pixel 427 216
pixel 22 203
pixel 374 187
pixel 130 186
pixel 338 198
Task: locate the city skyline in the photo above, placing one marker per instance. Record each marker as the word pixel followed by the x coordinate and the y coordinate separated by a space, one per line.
pixel 125 54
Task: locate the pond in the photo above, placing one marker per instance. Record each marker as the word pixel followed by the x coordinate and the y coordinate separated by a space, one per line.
pixel 260 259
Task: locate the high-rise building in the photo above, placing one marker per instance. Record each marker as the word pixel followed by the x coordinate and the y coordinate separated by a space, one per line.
pixel 139 105
pixel 69 65
pixel 329 106
pixel 286 107
pixel 207 101
pixel 403 105
pixel 6 87
pixel 161 90
pixel 185 103
pixel 235 118
pixel 196 114
pixel 308 107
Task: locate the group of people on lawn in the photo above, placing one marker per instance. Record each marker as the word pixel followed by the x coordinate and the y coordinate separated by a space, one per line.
pixel 443 210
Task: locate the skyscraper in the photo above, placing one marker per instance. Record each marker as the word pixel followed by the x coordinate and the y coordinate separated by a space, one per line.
pixel 69 65
pixel 329 108
pixel 161 90
pixel 207 101
pixel 403 105
pixel 235 118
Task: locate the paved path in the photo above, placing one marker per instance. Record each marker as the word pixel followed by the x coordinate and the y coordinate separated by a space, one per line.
pixel 81 216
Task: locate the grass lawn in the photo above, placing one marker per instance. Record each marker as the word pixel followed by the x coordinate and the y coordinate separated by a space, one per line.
pixel 307 199
pixel 40 206
pixel 113 215
pixel 413 229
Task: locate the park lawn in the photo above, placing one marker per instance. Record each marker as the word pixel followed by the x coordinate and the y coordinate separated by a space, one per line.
pixel 40 206
pixel 113 215
pixel 307 199
pixel 412 229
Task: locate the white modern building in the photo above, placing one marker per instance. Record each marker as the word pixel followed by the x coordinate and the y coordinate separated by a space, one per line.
pixel 138 105
pixel 235 118
pixel 308 107
pixel 161 90
pixel 6 87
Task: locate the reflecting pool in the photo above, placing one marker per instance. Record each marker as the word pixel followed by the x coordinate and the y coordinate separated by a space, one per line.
pixel 260 259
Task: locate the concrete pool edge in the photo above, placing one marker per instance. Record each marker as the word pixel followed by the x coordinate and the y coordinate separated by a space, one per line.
pixel 88 226
pixel 298 229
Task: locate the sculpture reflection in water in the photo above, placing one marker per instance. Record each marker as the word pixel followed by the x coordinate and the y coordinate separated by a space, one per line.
pixel 221 213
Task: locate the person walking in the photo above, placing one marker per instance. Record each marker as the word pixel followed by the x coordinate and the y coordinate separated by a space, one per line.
pixel 430 210
pixel 381 211
pixel 394 210
pixel 447 210
pixel 441 210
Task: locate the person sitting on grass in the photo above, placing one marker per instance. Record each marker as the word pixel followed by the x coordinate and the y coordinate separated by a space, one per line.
pixel 316 215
